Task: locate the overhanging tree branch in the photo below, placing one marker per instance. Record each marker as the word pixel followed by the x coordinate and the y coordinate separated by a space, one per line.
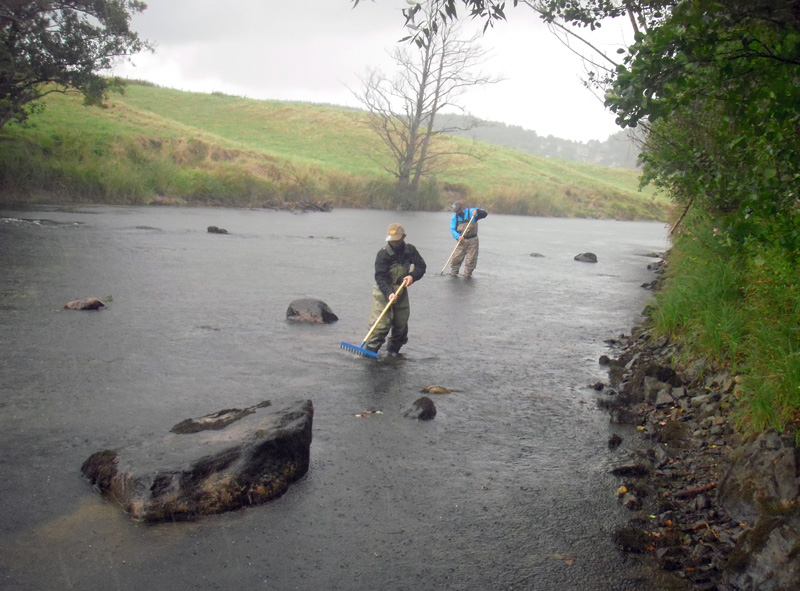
pixel 67 43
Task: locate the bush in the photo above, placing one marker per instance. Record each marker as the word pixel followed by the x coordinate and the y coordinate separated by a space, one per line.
pixel 738 307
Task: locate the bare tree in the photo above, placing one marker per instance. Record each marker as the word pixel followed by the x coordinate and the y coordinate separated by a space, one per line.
pixel 431 74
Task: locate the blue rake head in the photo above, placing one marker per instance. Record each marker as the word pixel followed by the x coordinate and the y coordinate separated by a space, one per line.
pixel 359 350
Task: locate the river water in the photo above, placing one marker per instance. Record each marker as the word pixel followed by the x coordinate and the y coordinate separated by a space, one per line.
pixel 507 488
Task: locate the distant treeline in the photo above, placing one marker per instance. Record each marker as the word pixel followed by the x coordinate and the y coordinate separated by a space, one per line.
pixel 618 151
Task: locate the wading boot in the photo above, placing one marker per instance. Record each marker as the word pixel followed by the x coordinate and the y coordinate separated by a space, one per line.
pixel 392 352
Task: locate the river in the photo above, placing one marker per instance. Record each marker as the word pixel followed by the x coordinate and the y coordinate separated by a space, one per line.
pixel 507 488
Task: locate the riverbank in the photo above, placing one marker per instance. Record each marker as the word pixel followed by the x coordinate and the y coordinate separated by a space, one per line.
pixel 47 199
pixel 216 150
pixel 716 510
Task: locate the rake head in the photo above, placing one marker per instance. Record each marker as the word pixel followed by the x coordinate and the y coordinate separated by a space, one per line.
pixel 359 350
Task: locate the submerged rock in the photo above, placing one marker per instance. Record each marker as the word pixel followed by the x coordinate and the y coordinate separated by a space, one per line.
pixel 84 304
pixel 221 462
pixel 310 310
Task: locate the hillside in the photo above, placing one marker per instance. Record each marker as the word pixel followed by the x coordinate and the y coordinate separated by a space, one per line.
pixel 160 145
pixel 617 150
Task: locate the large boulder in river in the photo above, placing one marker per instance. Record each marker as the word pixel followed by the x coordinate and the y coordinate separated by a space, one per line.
pixel 231 459
pixel 310 310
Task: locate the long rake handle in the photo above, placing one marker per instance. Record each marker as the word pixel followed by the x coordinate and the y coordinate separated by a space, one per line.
pixel 386 309
pixel 474 213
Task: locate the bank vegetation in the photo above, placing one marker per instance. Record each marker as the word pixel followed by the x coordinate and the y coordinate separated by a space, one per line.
pixel 158 145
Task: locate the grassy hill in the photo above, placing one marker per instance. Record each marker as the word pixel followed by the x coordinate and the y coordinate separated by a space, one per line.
pixel 160 145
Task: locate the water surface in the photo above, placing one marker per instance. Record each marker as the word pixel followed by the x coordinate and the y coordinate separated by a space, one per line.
pixel 507 488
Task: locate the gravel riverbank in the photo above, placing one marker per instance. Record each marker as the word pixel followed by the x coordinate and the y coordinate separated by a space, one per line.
pixel 717 511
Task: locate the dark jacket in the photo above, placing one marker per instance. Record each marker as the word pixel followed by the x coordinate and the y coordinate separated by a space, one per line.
pixel 405 256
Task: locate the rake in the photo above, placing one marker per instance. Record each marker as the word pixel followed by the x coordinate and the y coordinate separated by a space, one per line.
pixel 474 213
pixel 360 349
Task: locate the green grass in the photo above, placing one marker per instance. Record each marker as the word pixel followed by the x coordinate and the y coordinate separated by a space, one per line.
pixel 213 148
pixel 742 312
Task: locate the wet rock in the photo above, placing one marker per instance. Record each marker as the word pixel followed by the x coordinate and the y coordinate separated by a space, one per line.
pixel 586 257
pixel 216 230
pixel 310 310
pixel 766 556
pixel 763 473
pixel 217 420
pixel 84 304
pixel 630 501
pixel 438 390
pixel 631 539
pixel 664 398
pixel 423 409
pixel 614 441
pixel 221 462
pixel 695 370
pixel 630 469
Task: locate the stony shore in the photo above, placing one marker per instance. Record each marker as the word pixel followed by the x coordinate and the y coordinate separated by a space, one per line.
pixel 715 510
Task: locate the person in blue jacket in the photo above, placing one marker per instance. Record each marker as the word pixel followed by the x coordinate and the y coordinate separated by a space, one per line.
pixel 467 235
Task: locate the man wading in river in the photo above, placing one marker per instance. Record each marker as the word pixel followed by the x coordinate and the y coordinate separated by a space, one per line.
pixel 396 263
pixel 467 235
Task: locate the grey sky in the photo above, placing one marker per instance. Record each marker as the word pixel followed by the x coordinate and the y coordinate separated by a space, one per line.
pixel 314 50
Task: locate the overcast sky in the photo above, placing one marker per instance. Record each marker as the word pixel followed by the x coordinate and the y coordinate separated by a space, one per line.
pixel 315 51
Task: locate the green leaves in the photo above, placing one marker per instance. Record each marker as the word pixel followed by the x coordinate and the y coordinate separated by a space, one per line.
pixel 717 86
pixel 65 44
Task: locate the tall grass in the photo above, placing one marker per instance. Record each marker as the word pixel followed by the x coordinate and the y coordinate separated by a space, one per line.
pixel 742 312
pixel 154 142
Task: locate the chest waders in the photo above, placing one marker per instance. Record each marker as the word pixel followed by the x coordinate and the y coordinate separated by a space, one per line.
pixel 466 251
pixel 396 319
pixel 450 258
pixel 466 228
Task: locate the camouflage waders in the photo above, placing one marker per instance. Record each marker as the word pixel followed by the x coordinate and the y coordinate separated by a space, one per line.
pixel 395 319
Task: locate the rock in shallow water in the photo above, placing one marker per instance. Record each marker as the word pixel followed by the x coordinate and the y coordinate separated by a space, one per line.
pixel 310 310
pixel 586 257
pixel 422 409
pixel 247 461
pixel 84 304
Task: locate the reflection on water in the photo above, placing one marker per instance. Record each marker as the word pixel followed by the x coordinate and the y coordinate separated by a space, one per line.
pixel 512 471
